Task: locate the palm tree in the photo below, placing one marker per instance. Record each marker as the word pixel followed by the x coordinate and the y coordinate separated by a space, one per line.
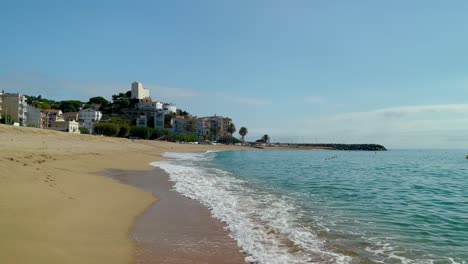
pixel 266 139
pixel 231 129
pixel 243 131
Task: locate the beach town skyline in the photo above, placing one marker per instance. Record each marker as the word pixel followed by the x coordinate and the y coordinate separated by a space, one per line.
pixel 392 74
pixel 160 174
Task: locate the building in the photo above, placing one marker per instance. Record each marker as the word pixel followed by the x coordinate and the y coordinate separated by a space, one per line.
pixel 89 115
pixel 88 118
pixel 138 92
pixel 203 128
pixel 34 117
pixel 14 108
pixel 51 115
pixel 65 126
pixel 70 116
pixel 159 119
pixel 142 121
pixel 183 125
pixel 213 127
pixel 169 108
pixel 148 104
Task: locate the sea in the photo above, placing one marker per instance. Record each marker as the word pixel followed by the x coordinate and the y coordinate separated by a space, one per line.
pixel 323 206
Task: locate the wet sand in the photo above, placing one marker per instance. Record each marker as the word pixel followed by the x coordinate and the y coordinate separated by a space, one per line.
pixel 176 229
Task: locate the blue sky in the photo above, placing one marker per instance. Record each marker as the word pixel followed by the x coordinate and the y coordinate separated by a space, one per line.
pixel 389 72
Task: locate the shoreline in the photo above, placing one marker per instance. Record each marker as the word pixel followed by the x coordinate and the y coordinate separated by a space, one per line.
pixel 54 205
pixel 176 229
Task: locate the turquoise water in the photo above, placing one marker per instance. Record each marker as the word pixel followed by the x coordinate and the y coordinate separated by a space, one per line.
pixel 399 206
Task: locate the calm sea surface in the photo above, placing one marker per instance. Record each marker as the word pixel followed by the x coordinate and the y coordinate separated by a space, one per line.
pixel 399 206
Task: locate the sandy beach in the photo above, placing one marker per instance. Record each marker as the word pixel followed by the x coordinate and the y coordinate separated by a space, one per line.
pixel 57 207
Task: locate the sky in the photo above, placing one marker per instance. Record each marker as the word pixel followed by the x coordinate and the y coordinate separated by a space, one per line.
pixel 335 71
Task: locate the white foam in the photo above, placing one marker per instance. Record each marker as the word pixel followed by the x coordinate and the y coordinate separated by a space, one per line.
pixel 265 225
pixel 389 253
pixel 193 156
pixel 452 261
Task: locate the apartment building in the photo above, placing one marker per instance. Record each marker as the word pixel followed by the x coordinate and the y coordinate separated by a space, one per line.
pixel 211 127
pixel 34 117
pixel 184 125
pixel 14 108
pixel 88 118
pixel 51 115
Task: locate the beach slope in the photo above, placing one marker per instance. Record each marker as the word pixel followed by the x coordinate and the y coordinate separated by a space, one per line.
pixel 54 206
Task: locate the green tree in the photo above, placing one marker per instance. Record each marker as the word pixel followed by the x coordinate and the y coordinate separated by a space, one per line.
pixel 185 138
pixel 243 131
pixel 140 132
pixel 43 105
pixel 265 139
pixel 124 130
pixel 231 129
pixel 159 134
pixel 84 130
pixel 99 100
pixel 181 112
pixel 107 129
pixel 6 119
pixel 229 139
pixel 120 101
pixel 70 106
pixel 30 99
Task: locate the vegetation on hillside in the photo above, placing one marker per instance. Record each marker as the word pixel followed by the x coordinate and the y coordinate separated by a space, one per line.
pixel 117 124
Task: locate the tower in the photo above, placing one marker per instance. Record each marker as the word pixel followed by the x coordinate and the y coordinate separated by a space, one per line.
pixel 138 92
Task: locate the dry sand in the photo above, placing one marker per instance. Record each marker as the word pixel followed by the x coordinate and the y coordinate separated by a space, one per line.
pixel 55 208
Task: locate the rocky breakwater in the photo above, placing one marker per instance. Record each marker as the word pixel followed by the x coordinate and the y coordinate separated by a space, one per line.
pixel 361 147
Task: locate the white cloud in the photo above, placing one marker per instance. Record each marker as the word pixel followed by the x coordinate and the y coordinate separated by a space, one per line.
pixel 428 126
pixel 405 111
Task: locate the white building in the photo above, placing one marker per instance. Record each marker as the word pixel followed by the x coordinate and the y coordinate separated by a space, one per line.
pixel 138 92
pixel 88 118
pixel 14 108
pixel 89 115
pixel 148 104
pixel 65 126
pixel 169 108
